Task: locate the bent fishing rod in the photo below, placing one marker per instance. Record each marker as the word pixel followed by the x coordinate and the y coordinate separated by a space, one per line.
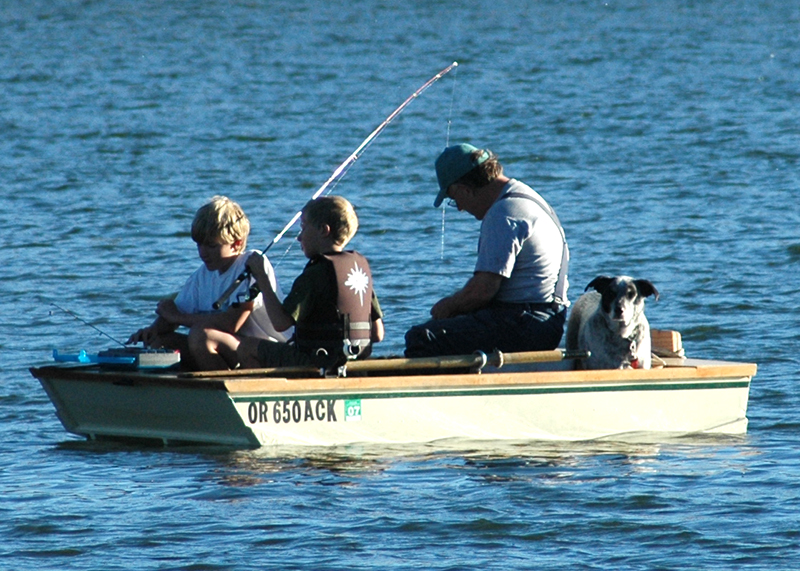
pixel 338 173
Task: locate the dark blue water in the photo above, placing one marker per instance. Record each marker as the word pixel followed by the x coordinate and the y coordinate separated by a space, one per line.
pixel 665 135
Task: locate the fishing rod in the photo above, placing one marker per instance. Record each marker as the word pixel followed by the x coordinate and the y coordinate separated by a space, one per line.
pixel 68 312
pixel 338 173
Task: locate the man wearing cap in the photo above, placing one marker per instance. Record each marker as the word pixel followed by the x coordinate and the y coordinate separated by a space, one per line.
pixel 516 299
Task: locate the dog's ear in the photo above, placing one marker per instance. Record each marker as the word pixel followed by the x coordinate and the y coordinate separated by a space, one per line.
pixel 600 283
pixel 646 288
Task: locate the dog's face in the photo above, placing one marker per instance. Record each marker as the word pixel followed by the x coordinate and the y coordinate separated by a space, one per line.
pixel 622 297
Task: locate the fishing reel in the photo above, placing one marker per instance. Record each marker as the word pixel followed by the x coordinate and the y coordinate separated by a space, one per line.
pixel 253 292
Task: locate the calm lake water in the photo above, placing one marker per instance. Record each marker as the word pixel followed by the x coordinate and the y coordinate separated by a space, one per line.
pixel 665 134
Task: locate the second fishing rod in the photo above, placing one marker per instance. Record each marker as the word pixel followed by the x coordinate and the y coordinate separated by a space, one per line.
pixel 338 173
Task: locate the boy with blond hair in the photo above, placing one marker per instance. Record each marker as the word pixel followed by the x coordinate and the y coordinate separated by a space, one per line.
pixel 332 304
pixel 220 229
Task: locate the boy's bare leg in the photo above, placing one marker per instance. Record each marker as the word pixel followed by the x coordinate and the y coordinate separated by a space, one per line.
pixel 213 350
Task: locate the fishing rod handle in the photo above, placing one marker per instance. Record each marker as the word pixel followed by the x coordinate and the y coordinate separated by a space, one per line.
pixel 232 288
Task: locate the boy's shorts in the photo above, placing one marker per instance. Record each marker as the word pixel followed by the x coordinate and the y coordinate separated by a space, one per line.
pixel 276 354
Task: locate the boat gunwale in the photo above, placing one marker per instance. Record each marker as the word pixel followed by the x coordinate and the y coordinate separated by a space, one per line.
pixel 681 370
pixel 689 372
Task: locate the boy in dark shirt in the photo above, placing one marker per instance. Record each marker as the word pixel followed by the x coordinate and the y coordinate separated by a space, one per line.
pixel 332 304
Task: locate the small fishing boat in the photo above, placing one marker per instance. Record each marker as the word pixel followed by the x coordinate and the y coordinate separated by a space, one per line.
pixel 512 396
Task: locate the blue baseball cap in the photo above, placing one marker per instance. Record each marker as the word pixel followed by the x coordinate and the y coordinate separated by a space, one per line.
pixel 452 164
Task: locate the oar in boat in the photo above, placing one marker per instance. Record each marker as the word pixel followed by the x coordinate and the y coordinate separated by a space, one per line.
pixel 338 173
pixel 475 361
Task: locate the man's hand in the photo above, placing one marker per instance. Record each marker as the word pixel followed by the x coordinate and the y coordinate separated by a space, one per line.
pixel 478 292
pixel 443 308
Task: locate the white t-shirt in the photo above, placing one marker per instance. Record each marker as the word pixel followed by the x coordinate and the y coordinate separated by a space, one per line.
pixel 204 287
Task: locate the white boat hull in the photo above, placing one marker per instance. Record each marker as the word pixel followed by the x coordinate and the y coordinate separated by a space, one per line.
pixel 687 397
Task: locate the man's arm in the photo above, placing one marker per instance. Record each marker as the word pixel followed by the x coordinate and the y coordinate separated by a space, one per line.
pixel 477 293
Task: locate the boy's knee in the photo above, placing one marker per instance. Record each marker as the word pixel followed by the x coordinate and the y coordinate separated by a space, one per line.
pixel 198 338
pixel 203 341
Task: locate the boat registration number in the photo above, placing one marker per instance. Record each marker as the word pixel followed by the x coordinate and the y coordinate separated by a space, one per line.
pixel 297 411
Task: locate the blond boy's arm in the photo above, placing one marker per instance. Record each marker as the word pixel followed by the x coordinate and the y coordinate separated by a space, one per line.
pixel 229 321
pixel 149 334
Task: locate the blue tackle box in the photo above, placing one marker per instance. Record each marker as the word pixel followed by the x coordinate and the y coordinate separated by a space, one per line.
pixel 124 358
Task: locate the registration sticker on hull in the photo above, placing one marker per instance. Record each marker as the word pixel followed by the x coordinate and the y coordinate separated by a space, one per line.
pixel 352 410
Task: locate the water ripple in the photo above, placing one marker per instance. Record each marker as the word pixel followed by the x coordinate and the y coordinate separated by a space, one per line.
pixel 664 134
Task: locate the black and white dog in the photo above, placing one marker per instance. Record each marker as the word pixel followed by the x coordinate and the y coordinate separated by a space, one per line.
pixel 610 323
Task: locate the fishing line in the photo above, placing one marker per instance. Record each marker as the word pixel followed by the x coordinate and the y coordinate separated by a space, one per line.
pixel 441 253
pixel 285 253
pixel 70 313
pixel 292 243
pixel 447 144
pixel 342 169
pixel 338 173
pixel 450 113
